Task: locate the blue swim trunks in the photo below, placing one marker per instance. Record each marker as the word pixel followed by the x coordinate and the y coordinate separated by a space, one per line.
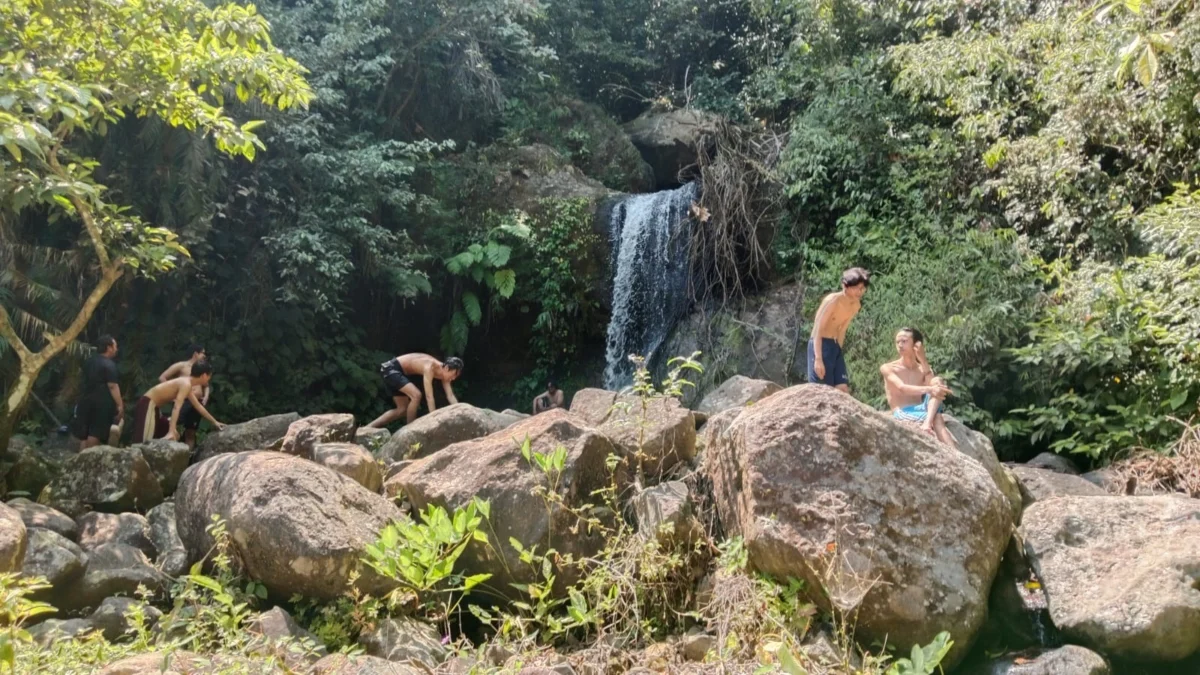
pixel 915 413
pixel 835 363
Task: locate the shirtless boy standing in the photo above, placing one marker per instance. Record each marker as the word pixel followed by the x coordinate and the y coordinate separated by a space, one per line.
pixel 147 421
pixel 189 417
pixel 826 361
pixel 914 393
pixel 396 373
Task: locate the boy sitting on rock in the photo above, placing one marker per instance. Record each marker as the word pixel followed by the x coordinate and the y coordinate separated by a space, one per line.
pixel 914 393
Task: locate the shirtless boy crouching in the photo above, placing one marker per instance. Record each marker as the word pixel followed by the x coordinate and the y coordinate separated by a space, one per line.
pixel 914 393
pixel 396 374
pixel 189 417
pixel 148 422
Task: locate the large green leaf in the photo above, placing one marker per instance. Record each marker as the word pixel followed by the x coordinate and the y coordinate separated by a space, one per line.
pixel 506 282
pixel 471 306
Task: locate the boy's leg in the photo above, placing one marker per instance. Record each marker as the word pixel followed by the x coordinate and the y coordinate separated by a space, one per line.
pixel 414 402
pixel 942 431
pixel 381 422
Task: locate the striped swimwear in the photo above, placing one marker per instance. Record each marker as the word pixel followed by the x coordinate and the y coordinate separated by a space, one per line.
pixel 915 413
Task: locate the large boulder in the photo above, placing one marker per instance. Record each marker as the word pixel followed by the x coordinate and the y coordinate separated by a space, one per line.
pixel 167 459
pixel 37 515
pixel 670 142
pixel 257 434
pixel 113 570
pixel 442 427
pixel 352 461
pixel 493 469
pixel 755 338
pixel 296 526
pixel 1041 484
pixel 13 540
pixel 738 391
pixel 661 430
pixel 96 529
pixel 881 522
pixel 306 434
pixel 977 446
pixel 1120 573
pixel 665 513
pixel 1068 660
pixel 172 556
pixel 111 480
pixel 55 558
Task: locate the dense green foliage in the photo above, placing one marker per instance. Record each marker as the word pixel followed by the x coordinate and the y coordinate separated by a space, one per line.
pixel 1020 178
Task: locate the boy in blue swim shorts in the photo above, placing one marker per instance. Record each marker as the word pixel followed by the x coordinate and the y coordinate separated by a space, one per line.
pixel 914 393
pixel 826 362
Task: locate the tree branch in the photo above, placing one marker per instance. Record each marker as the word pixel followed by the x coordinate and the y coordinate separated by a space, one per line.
pixel 10 334
pixel 84 211
pixel 56 343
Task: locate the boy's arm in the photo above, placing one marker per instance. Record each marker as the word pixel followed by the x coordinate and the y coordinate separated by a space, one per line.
pixel 897 384
pixel 449 392
pixel 820 324
pixel 114 390
pixel 203 412
pixel 180 397
pixel 170 373
pixel 429 388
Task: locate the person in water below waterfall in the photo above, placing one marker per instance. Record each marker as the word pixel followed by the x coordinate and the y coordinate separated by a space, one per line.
pixel 148 423
pixel 551 399
pixel 396 373
pixel 914 393
pixel 826 362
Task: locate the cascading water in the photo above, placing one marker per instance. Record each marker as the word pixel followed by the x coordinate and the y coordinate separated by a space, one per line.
pixel 651 236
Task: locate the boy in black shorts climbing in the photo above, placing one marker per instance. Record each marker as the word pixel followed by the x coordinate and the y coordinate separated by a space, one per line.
pixel 189 417
pixel 407 397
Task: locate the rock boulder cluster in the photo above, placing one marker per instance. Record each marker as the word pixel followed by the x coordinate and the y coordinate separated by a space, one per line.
pixel 905 535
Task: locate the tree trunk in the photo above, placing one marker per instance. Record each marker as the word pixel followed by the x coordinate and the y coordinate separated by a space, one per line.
pixel 33 362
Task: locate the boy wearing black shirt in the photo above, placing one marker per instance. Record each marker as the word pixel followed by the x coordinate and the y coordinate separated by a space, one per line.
pixel 100 405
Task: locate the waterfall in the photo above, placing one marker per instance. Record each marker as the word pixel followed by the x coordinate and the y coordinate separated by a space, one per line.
pixel 650 237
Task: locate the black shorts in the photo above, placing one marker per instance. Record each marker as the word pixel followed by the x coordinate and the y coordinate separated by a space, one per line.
pixel 189 417
pixel 94 419
pixel 394 381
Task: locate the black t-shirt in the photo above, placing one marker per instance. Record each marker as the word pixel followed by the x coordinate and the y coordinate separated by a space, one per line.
pixel 98 373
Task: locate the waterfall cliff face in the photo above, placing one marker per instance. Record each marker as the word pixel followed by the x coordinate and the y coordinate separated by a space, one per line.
pixel 651 236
